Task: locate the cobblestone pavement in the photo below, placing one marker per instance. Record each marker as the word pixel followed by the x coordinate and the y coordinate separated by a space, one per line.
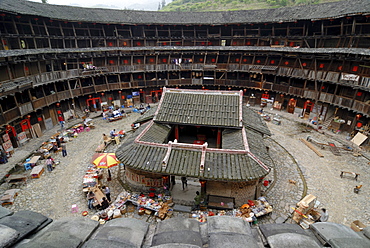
pixel 55 192
pixel 315 175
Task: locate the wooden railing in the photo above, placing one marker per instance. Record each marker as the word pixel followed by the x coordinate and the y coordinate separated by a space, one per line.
pixel 12 114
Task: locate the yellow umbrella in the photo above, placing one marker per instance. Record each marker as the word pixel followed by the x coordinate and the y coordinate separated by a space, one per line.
pixel 106 161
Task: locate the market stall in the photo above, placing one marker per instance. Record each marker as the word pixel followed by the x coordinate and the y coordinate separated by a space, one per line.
pixel 91 178
pixel 158 206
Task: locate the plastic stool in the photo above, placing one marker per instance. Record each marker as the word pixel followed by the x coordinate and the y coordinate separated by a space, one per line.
pixel 74 208
pixel 27 166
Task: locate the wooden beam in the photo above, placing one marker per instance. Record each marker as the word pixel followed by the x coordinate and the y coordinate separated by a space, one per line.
pixel 312 147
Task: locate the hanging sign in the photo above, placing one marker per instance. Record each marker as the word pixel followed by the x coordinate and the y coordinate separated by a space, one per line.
pixel 350 77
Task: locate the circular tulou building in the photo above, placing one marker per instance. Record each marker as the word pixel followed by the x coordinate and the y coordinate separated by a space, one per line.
pixel 313 61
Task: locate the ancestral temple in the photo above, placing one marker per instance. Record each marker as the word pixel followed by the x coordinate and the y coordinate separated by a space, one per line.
pixel 204 134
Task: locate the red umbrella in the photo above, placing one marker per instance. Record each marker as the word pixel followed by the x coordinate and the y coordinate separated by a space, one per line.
pixel 106 160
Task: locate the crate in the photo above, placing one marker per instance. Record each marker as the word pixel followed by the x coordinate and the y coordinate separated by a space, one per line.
pixel 357 226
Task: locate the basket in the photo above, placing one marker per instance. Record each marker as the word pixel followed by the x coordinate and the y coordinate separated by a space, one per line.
pixel 357 226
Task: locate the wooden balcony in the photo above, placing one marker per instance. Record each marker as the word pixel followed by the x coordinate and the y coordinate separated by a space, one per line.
pixel 343 101
pixel 280 88
pixel 12 114
pixel 63 95
pixel 296 91
pixel 361 107
pixel 50 99
pixel 88 90
pixel 101 87
pixel 39 103
pixel 325 97
pixel 25 108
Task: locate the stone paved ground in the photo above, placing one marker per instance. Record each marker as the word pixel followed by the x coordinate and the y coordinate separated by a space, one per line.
pixel 55 192
pixel 321 174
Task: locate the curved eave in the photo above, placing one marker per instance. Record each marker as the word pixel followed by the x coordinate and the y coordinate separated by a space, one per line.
pixel 288 14
pixel 218 166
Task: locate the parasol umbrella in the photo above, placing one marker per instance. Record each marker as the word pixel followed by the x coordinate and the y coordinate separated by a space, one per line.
pixel 106 161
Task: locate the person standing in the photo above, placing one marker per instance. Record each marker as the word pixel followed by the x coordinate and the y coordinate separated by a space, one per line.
pixel 4 156
pixel 184 183
pixel 197 201
pixel 106 190
pixel 64 148
pixel 90 199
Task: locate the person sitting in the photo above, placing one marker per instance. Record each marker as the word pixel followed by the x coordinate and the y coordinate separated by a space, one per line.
pixel 113 133
pixel 104 204
pixel 90 199
pixel 106 139
pixel 324 215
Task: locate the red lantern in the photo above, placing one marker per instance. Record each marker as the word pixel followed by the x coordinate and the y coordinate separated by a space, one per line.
pixel 39 119
pixel 102 93
pixel 321 66
pixel 355 68
pixel 119 92
pixel 272 62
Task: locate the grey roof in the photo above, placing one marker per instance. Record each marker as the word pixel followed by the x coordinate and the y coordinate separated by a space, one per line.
pixel 158 133
pixel 218 166
pixel 200 107
pixel 257 146
pixel 148 147
pixel 231 139
pixel 65 232
pixel 345 51
pixel 253 120
pixel 123 232
pixel 148 115
pixel 305 12
pixel 218 231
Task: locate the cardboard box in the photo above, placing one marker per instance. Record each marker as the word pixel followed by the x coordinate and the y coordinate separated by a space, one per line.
pixel 357 226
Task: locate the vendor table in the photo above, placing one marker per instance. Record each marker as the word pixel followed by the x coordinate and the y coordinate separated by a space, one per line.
pixel 221 202
pixel 16 179
pixel 34 160
pixel 110 119
pixel 37 171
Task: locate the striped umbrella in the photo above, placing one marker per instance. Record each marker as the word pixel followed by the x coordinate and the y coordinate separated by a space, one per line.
pixel 106 161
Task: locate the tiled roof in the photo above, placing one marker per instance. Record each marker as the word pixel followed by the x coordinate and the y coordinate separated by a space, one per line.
pixel 148 115
pixel 253 120
pixel 158 133
pixel 217 166
pixel 258 147
pixel 231 139
pixel 241 49
pixel 303 12
pixel 200 107
pixel 243 155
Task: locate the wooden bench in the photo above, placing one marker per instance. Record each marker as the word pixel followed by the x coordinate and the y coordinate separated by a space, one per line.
pixel 342 173
pixel 37 171
pixel 100 148
pixel 8 197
